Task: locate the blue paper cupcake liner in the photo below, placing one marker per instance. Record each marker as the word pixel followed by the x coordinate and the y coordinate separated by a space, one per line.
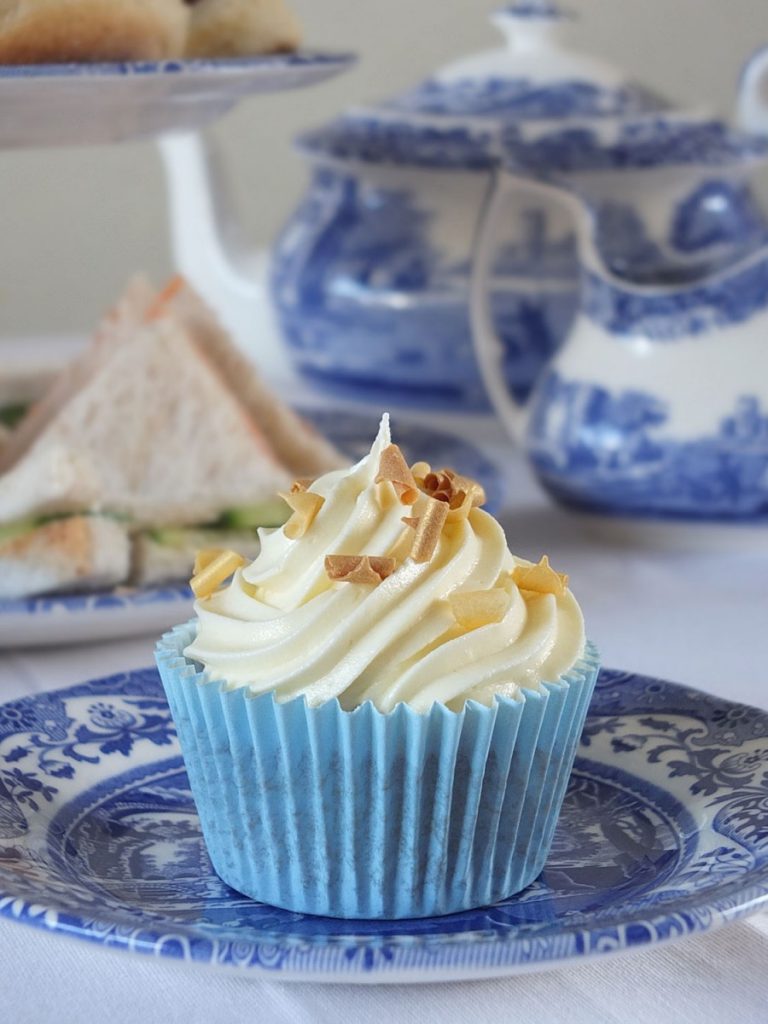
pixel 359 814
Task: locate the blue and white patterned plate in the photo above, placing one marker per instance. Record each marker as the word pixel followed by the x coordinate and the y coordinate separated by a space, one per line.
pixel 664 834
pixel 87 618
pixel 78 618
pixel 69 104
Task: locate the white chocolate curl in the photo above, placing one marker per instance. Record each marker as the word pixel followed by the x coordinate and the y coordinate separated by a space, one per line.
pixel 283 625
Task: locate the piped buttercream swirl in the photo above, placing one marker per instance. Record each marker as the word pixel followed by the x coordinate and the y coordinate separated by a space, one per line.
pixel 283 625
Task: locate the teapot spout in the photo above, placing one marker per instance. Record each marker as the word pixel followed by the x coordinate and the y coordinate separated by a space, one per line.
pixel 752 110
pixel 209 250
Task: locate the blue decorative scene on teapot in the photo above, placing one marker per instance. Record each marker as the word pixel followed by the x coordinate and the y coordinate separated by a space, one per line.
pixel 371 276
pixel 656 404
pixel 676 422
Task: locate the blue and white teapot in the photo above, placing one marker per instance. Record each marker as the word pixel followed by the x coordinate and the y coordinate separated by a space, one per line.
pixel 656 404
pixel 371 274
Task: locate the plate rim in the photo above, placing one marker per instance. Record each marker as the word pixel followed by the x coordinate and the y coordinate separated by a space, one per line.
pixel 147 69
pixel 727 902
pixel 104 600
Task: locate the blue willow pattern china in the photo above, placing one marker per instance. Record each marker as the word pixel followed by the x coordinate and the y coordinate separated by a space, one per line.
pixel 656 403
pixel 371 274
pixel 674 422
pixel 125 598
pixel 664 833
pixel 722 475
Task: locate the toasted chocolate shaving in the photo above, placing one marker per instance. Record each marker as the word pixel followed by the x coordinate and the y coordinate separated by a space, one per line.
pixel 437 486
pixel 302 484
pixel 305 507
pixel 541 578
pixel 204 558
pixel 430 527
pixel 476 608
pixel 411 521
pixel 469 486
pixel 420 471
pixel 367 569
pixel 454 489
pixel 214 568
pixel 394 469
pixel 463 502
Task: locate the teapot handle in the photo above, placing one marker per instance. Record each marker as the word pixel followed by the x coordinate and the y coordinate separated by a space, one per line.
pixel 752 113
pixel 488 345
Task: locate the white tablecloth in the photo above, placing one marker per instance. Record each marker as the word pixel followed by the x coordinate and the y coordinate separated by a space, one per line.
pixel 697 617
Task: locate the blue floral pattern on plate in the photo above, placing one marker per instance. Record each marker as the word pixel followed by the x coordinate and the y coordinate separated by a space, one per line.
pixel 122 598
pixel 664 833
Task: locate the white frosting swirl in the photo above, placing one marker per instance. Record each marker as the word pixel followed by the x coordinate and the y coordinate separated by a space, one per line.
pixel 282 625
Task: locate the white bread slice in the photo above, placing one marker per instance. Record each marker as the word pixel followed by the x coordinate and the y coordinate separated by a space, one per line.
pixel 295 442
pixel 54 478
pixel 150 431
pixel 161 420
pixel 79 553
pixel 117 327
pixel 297 445
pixel 156 563
pixel 24 384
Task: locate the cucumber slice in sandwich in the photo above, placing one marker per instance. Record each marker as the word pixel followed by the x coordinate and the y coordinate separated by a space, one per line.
pixel 10 415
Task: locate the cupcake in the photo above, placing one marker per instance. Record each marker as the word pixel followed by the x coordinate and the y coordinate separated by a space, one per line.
pixel 379 715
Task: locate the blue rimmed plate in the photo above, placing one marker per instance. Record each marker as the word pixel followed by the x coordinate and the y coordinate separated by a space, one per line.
pixel 76 618
pixel 71 104
pixel 88 618
pixel 664 834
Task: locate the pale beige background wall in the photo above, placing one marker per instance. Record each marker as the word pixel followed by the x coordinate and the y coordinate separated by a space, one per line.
pixel 75 223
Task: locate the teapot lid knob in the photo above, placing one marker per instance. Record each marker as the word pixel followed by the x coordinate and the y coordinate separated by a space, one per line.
pixel 529 22
pixel 532 10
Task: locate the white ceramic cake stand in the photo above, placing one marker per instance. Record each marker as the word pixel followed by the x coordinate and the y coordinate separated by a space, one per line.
pixel 87 104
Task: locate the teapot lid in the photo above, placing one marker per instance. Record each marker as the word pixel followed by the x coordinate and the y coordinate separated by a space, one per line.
pixel 535 105
pixel 453 118
pixel 536 75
